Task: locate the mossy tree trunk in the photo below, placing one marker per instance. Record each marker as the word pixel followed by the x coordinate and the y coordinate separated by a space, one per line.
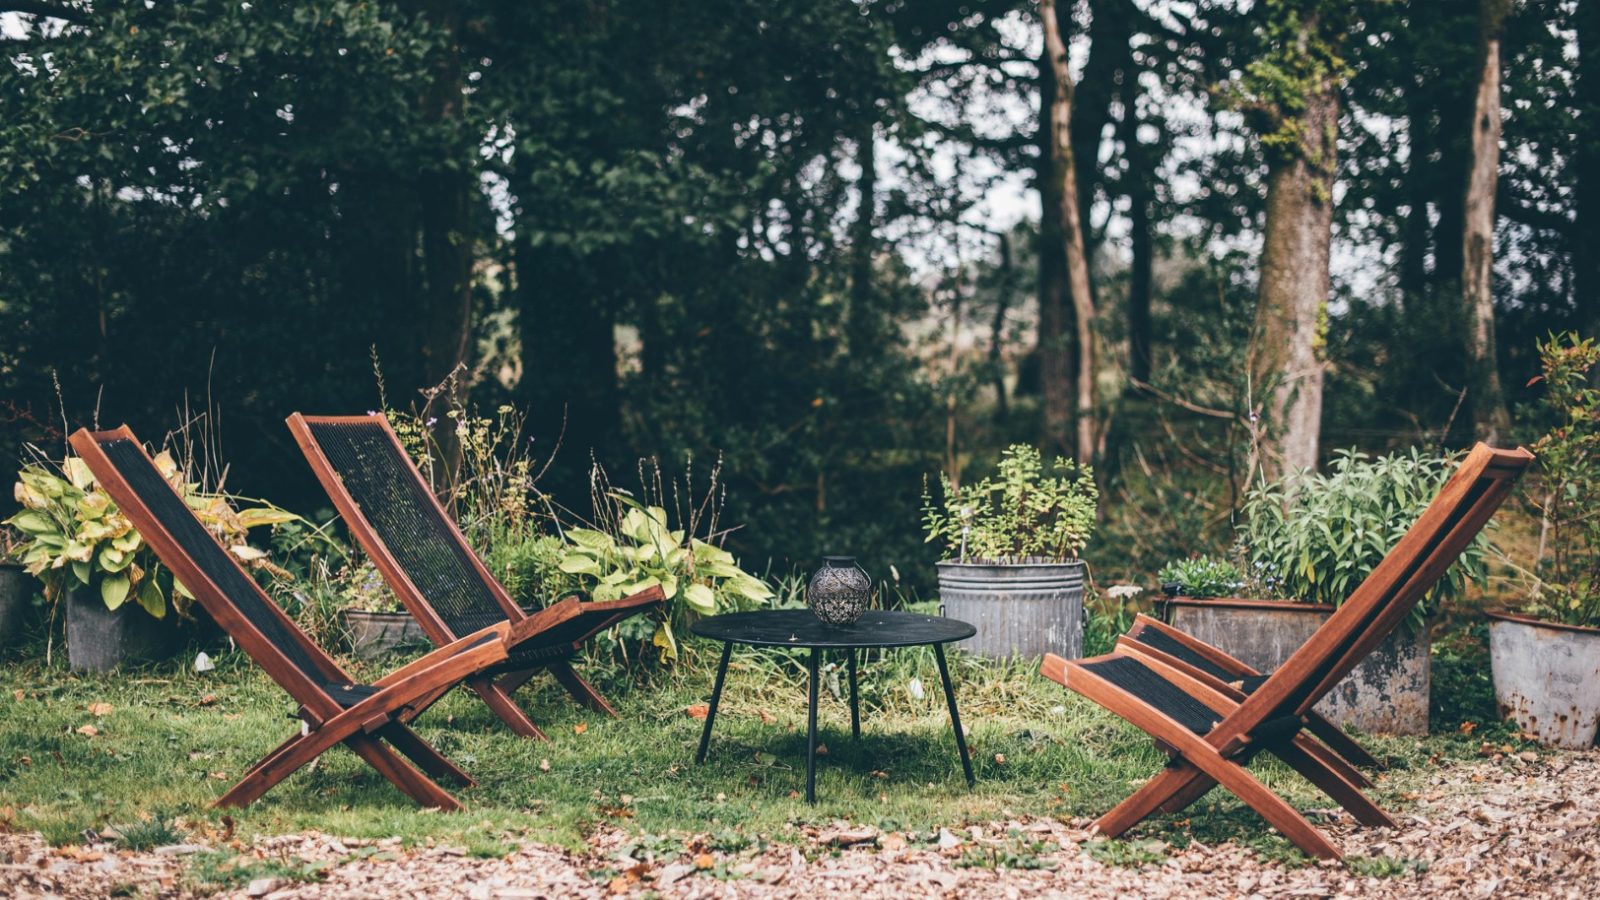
pixel 1490 421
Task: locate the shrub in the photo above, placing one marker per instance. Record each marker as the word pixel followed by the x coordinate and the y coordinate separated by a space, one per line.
pixel 1567 576
pixel 1202 577
pixel 1315 537
pixel 1020 515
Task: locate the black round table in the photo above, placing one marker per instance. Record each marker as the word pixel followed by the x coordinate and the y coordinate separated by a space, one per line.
pixel 799 628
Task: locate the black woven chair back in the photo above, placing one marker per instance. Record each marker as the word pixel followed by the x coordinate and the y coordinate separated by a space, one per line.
pixel 196 558
pixel 390 495
pixel 1410 569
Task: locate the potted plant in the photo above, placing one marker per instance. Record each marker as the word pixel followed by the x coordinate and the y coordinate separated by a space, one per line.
pixel 374 620
pixel 1305 543
pixel 1545 659
pixel 116 594
pixel 17 588
pixel 1010 545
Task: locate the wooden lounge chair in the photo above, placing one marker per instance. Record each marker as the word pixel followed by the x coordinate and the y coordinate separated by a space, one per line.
pixel 426 561
pixel 335 708
pixel 1212 735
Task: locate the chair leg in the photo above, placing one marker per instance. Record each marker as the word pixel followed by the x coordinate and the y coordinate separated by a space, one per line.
pixel 510 681
pixel 1341 743
pixel 580 689
pixel 506 708
pixel 1278 813
pixel 419 751
pixel 1330 782
pixel 1323 754
pixel 1165 788
pixel 243 791
pixel 413 783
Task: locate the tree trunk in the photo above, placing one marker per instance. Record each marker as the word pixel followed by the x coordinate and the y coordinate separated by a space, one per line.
pixel 1054 344
pixel 1071 224
pixel 1006 283
pixel 1141 230
pixel 859 337
pixel 1585 260
pixel 1490 420
pixel 1291 309
pixel 1105 72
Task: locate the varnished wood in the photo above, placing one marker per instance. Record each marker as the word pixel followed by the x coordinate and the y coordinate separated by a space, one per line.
pixel 400 695
pixel 1377 606
pixel 526 629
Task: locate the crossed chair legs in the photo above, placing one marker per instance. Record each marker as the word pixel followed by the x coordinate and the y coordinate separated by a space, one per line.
pixel 1201 762
pixel 364 727
pixel 496 693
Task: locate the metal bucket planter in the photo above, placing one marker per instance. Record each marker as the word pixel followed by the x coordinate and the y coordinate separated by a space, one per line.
pixel 1386 694
pixel 1019 609
pixel 1547 678
pixel 376 633
pixel 103 640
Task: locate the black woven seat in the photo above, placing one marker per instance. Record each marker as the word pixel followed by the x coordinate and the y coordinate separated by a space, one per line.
pixel 1139 680
pixel 1166 643
pixel 427 562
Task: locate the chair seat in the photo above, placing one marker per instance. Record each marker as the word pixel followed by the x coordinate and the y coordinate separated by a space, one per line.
pixel 348 695
pixel 1141 681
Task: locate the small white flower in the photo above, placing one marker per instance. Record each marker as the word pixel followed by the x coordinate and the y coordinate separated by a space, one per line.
pixel 1123 591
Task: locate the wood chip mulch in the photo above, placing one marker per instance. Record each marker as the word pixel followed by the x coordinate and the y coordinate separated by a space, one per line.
pixel 1513 827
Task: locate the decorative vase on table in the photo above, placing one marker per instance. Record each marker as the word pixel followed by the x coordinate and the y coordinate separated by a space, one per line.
pixel 838 593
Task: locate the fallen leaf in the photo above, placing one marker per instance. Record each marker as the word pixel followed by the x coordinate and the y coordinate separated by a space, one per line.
pixel 208 699
pixel 698 711
pixel 101 709
pixel 544 765
pixel 19 695
pixel 704 861
pixel 822 749
pixel 1468 727
pixel 879 773
pixel 999 759
pixel 766 717
pixel 894 840
pixel 580 728
pixel 88 731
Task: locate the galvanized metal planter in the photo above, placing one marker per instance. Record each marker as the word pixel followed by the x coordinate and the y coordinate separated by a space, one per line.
pixel 1547 678
pixel 376 633
pixel 1019 609
pixel 1386 694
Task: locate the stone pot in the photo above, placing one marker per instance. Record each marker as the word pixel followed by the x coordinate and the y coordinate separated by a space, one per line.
pixel 1547 678
pixel 1019 609
pixel 103 640
pixel 17 588
pixel 376 633
pixel 1387 693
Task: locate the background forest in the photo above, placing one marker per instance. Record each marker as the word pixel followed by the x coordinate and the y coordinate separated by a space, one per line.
pixel 842 245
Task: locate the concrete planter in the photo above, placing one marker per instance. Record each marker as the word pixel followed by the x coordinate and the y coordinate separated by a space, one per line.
pixel 1020 609
pixel 102 640
pixel 17 588
pixel 1547 678
pixel 376 633
pixel 1386 694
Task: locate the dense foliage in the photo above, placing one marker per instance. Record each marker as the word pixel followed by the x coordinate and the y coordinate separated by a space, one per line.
pixel 1567 579
pixel 1021 514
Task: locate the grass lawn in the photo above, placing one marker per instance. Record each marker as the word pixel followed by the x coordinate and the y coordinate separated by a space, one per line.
pixel 151 750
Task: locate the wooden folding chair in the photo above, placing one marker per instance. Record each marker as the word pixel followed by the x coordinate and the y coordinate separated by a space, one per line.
pixel 1212 735
pixel 427 562
pixel 370 719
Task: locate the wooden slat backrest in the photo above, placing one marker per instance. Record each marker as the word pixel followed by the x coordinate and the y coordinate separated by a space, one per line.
pixel 363 529
pixel 303 686
pixel 1383 600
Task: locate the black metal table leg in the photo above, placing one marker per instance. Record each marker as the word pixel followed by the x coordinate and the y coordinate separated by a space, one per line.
pixel 855 706
pixel 716 695
pixel 955 717
pixel 811 729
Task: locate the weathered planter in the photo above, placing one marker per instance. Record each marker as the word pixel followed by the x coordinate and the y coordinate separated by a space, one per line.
pixel 102 640
pixel 17 588
pixel 376 633
pixel 1020 609
pixel 1387 693
pixel 1547 678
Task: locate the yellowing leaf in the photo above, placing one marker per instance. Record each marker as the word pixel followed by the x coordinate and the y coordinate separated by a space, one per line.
pixel 88 731
pixel 77 472
pixel 165 465
pixel 265 515
pixel 701 598
pixel 247 553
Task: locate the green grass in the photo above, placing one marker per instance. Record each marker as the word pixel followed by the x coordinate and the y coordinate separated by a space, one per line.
pixel 174 740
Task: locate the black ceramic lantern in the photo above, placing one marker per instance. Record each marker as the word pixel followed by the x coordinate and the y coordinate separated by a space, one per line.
pixel 839 592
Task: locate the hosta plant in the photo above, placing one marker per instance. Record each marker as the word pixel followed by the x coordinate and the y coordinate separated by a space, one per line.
pixel 640 550
pixel 73 535
pixel 1022 514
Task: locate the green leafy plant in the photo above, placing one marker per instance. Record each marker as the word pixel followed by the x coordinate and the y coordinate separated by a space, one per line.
pixel 74 536
pixel 1202 577
pixel 1567 574
pixel 1021 514
pixel 1315 537
pixel 631 546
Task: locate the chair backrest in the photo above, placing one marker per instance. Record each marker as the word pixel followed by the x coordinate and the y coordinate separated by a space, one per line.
pixel 1382 601
pixel 207 569
pixel 394 515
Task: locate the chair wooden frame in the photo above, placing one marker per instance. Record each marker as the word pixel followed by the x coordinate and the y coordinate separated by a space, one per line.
pixel 373 728
pixel 525 629
pixel 1271 717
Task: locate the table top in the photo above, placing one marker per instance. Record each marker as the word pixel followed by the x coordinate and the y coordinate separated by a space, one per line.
pixel 799 628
